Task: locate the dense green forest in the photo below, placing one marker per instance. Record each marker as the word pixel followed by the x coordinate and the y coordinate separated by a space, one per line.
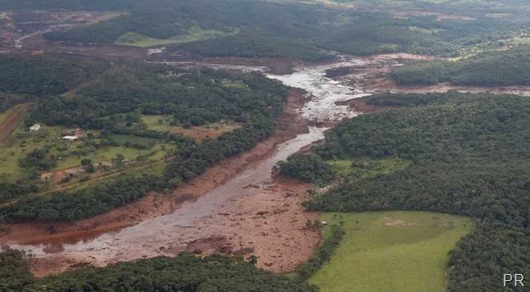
pixel 309 168
pixel 256 44
pixel 286 29
pixel 183 273
pixel 98 5
pixel 469 157
pixel 114 101
pixel 46 75
pixel 501 68
pixel 156 90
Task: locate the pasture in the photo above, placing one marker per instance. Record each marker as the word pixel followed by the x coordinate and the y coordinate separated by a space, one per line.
pixel 391 251
pixel 193 34
pixel 164 123
pixel 368 167
pixel 70 154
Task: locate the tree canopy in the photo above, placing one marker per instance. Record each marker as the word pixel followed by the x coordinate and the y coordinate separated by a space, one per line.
pixel 469 157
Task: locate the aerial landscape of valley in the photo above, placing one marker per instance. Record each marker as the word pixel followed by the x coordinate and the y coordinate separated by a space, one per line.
pixel 265 145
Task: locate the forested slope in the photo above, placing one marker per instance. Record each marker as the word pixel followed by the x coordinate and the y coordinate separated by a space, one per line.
pixel 114 101
pixel 502 68
pixel 289 27
pixel 183 273
pixel 469 157
pixel 46 75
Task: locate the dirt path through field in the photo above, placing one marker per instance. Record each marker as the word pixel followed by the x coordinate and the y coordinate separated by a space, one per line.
pixel 12 122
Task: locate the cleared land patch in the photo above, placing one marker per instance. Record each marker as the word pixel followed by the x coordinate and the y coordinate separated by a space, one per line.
pixel 10 120
pixel 368 167
pixel 69 154
pixel 391 251
pixel 193 34
pixel 210 131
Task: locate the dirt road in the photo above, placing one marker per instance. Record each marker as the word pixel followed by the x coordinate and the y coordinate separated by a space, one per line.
pixel 13 121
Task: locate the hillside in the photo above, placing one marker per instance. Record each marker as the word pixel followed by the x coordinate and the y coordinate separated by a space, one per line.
pixel 183 273
pixel 302 29
pixel 107 111
pixel 501 68
pixel 469 157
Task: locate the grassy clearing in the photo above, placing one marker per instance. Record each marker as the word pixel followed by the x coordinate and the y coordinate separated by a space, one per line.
pixel 521 41
pixel 70 154
pixel 235 84
pixel 391 251
pixel 107 154
pixel 194 34
pixel 5 114
pixel 103 18
pixel 158 122
pixel 162 123
pixel 124 139
pixel 21 144
pixel 368 167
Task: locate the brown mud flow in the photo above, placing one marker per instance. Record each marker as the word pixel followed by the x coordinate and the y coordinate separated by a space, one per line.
pixel 51 239
pixel 236 206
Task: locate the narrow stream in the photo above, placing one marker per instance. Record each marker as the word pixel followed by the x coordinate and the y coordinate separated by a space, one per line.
pixel 172 231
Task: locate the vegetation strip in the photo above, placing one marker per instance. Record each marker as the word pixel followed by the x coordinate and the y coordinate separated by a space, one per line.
pixel 105 106
pixel 468 156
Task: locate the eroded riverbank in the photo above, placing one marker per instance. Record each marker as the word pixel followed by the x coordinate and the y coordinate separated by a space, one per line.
pixel 235 207
pixel 156 225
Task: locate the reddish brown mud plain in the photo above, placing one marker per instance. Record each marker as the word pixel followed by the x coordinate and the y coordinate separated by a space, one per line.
pixel 269 224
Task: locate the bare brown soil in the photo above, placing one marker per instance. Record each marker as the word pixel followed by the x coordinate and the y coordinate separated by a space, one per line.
pixel 270 224
pixel 202 133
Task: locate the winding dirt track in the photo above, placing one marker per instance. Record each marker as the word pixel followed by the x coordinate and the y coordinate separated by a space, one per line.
pixel 12 122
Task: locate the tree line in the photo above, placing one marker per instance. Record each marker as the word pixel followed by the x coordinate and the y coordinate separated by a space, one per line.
pixel 469 157
pixel 114 100
pixel 183 273
pixel 504 68
pixel 299 29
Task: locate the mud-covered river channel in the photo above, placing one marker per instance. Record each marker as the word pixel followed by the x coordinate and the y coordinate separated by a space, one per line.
pixel 169 234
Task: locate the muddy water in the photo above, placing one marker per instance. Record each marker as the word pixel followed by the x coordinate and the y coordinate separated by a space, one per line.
pixel 325 91
pixel 169 234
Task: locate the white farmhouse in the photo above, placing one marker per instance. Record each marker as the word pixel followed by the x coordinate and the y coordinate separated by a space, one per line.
pixel 34 128
pixel 69 138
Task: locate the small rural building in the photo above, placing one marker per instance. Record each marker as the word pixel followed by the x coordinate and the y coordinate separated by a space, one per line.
pixel 69 138
pixel 34 128
pixel 79 133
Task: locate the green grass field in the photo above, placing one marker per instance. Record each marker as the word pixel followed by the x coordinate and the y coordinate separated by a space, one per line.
pixel 235 84
pixel 391 251
pixel 108 153
pixel 368 167
pixel 521 41
pixel 158 122
pixel 24 142
pixel 123 139
pixel 194 34
pixel 162 123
